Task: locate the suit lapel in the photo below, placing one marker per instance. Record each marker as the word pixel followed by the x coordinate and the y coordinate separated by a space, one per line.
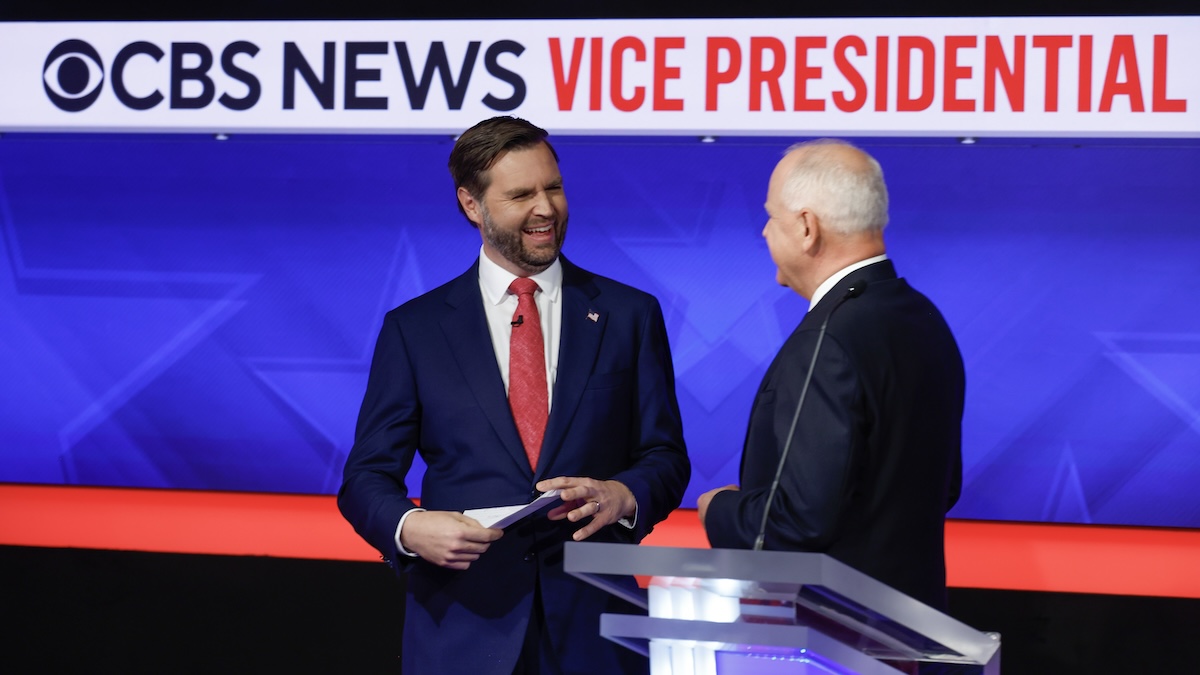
pixel 466 331
pixel 583 323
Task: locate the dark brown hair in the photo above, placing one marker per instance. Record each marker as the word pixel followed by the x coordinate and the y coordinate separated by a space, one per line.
pixel 478 148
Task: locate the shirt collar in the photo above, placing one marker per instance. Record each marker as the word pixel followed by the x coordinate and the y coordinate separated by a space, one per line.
pixel 832 281
pixel 494 280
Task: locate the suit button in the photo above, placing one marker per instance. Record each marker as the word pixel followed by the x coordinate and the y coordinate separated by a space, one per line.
pixel 530 557
pixel 534 494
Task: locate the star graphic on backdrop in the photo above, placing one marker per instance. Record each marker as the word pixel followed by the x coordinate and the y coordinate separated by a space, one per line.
pixel 325 392
pixel 1113 460
pixel 78 343
pixel 715 273
pixel 1167 366
pixel 1066 500
pixel 717 261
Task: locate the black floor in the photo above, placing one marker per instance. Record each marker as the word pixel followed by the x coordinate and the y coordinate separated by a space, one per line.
pixel 85 611
pixel 1084 633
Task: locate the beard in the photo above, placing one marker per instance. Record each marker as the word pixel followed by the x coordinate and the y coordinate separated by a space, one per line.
pixel 510 244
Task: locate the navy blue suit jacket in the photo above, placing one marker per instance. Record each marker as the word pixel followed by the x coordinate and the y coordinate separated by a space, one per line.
pixel 876 459
pixel 435 388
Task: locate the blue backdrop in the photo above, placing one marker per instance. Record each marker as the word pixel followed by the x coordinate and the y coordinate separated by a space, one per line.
pixel 185 312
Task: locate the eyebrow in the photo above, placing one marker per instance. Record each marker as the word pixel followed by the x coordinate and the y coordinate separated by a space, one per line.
pixel 518 191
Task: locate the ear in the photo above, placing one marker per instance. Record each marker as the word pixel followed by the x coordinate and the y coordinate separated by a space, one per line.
pixel 809 226
pixel 470 206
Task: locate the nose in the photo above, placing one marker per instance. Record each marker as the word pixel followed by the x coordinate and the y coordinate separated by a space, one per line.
pixel 542 205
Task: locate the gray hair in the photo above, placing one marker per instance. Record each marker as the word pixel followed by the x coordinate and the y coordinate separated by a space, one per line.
pixel 847 198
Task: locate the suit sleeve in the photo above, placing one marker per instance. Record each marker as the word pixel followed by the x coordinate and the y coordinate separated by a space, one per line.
pixel 817 476
pixel 660 469
pixel 373 495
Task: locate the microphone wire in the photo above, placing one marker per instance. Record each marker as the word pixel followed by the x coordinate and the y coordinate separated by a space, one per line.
pixel 853 292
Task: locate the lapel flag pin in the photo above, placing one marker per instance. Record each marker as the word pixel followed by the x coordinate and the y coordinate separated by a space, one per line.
pixel 594 316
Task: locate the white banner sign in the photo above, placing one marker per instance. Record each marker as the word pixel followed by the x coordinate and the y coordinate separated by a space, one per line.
pixel 1077 76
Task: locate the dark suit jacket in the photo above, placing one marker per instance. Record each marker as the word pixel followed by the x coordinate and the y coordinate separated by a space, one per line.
pixel 876 460
pixel 435 388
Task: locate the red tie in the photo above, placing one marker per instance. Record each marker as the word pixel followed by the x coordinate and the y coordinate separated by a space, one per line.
pixel 527 393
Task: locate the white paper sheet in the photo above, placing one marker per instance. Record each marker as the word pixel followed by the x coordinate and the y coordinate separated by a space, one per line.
pixel 503 516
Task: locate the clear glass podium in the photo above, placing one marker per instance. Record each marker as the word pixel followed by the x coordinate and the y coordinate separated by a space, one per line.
pixel 734 612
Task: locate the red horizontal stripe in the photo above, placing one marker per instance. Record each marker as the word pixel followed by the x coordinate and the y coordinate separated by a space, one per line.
pixel 1008 556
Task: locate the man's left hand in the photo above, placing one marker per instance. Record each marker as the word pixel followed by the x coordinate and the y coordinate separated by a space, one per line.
pixel 702 503
pixel 606 501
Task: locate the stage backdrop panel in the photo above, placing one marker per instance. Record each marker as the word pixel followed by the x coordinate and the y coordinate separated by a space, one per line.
pixel 182 311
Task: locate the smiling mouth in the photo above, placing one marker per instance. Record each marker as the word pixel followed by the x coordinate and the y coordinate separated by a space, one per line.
pixel 544 229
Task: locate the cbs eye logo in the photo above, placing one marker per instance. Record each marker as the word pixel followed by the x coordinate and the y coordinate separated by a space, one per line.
pixel 73 75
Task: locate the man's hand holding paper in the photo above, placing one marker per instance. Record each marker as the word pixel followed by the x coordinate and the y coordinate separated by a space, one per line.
pixel 447 539
pixel 606 501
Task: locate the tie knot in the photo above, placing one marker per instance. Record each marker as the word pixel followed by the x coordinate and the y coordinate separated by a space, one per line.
pixel 522 286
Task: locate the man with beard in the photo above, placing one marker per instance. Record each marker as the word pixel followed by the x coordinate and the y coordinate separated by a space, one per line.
pixel 523 375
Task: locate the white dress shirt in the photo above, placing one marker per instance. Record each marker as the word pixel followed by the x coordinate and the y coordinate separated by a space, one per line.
pixel 832 281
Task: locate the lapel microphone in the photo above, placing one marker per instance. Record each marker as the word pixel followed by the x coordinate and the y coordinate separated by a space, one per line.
pixel 520 320
pixel 856 289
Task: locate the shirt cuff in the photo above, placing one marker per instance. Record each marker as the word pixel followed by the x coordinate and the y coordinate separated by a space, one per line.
pixel 629 521
pixel 399 527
